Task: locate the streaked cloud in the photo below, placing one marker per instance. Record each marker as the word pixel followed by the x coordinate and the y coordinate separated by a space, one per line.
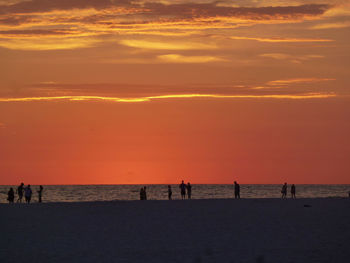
pixel 297 81
pixel 176 58
pixel 165 45
pixel 290 57
pixel 282 40
pixel 342 24
pixel 48 43
pixel 177 96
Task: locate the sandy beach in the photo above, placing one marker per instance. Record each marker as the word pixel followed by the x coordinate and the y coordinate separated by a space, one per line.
pixel 246 230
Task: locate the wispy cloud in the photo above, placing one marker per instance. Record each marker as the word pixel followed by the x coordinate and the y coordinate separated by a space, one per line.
pixel 297 81
pixel 176 58
pixel 176 96
pixel 342 24
pixel 290 57
pixel 48 44
pixel 282 40
pixel 166 45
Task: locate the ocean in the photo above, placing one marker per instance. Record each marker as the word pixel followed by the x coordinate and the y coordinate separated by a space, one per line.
pixel 85 193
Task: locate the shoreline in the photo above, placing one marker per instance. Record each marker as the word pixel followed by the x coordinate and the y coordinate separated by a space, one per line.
pixel 35 202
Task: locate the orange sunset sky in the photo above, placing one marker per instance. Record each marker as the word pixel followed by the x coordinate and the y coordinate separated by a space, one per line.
pixel 128 92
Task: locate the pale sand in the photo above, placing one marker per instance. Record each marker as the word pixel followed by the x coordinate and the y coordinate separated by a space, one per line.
pixel 250 230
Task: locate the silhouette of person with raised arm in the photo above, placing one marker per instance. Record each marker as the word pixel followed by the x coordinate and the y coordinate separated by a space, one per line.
pixel 20 192
pixel 40 193
pixel 189 190
pixel 11 196
pixel 170 192
pixel 182 187
pixel 28 194
pixel 292 191
pixel 237 190
pixel 284 190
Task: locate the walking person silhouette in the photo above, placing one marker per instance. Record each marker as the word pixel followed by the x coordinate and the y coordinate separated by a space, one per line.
pixel 237 190
pixel 28 194
pixel 11 196
pixel 20 192
pixel 189 190
pixel 170 192
pixel 182 187
pixel 292 191
pixel 284 190
pixel 142 194
pixel 40 193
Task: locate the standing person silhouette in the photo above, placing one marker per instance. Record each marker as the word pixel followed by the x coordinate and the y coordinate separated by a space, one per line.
pixel 141 194
pixel 284 190
pixel 144 193
pixel 237 190
pixel 292 191
pixel 170 192
pixel 189 190
pixel 11 196
pixel 40 193
pixel 182 187
pixel 20 193
pixel 28 194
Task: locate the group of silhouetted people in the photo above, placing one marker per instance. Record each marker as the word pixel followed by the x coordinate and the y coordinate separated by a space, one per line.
pixel 26 191
pixel 185 188
pixel 285 190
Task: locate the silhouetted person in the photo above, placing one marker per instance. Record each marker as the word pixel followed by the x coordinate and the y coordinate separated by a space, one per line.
pixel 170 192
pixel 189 190
pixel 182 187
pixel 144 193
pixel 141 194
pixel 11 195
pixel 284 190
pixel 20 192
pixel 40 193
pixel 237 190
pixel 292 191
pixel 28 193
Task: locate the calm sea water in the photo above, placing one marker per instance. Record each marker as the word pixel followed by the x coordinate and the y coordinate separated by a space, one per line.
pixel 82 193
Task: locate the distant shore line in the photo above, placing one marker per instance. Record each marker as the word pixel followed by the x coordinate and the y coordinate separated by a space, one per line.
pixel 187 200
pixel 156 184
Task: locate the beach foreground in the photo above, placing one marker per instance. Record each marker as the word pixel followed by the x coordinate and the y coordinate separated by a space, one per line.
pixel 246 230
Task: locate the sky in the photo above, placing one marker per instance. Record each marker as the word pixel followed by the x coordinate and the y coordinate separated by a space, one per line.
pixel 136 92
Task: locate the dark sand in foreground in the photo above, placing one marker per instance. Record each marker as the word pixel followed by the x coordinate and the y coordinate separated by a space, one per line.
pixel 247 230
